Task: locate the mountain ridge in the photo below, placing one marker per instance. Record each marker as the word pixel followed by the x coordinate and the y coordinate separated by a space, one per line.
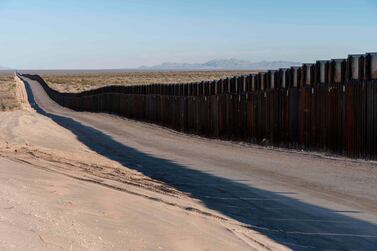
pixel 223 64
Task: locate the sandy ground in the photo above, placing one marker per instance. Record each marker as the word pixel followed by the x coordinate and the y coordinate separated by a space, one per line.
pixel 304 201
pixel 238 196
pixel 56 193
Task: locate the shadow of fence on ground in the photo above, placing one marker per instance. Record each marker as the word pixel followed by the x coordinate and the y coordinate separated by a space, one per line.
pixel 288 221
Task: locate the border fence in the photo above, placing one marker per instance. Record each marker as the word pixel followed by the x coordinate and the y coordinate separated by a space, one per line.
pixel 328 106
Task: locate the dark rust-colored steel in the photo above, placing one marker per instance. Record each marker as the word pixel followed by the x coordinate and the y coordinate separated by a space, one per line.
pixel 327 106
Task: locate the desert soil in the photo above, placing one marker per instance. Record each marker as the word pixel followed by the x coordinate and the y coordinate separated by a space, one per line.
pixel 57 193
pixel 8 92
pixel 97 181
pixel 82 81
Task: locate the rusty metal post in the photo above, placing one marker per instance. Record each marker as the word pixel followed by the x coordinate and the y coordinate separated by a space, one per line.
pixel 191 89
pixel 213 87
pixel 200 89
pixel 257 82
pixel 284 78
pixel 155 89
pixel 194 89
pixel 268 80
pixel 180 89
pixel 355 67
pixel 248 84
pixel 307 74
pixel 253 82
pixel 204 88
pixel 240 84
pixel 227 86
pixel 272 79
pixel 232 88
pixel 161 90
pixel 278 79
pixel 322 71
pixel 371 66
pixel 337 71
pixel 310 78
pixel 263 80
pixel 185 90
pixel 296 76
pixel 169 89
pixel 218 87
pixel 258 85
pixel 207 88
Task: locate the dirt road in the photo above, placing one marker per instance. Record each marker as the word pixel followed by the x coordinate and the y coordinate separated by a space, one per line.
pixel 58 194
pixel 304 201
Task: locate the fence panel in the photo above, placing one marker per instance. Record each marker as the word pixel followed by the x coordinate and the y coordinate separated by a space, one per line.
pixel 335 117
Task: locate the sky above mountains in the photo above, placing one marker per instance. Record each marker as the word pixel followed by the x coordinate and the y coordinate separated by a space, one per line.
pixel 223 64
pixel 41 34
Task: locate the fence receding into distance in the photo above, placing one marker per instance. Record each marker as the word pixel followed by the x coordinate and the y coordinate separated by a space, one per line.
pixel 327 106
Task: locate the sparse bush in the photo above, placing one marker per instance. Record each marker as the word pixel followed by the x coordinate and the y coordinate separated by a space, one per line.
pixel 84 81
pixel 8 100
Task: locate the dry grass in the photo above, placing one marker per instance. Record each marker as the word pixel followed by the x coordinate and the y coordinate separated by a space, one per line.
pixel 77 82
pixel 8 100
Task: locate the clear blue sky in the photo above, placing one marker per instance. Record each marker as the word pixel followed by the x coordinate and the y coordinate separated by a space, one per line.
pixel 68 34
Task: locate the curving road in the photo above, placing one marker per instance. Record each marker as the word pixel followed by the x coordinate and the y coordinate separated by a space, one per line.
pixel 304 201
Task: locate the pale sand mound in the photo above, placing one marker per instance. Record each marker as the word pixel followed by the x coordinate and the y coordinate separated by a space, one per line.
pixel 56 194
pixel 21 95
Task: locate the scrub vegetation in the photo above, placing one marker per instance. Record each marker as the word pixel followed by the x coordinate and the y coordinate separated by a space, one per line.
pixel 8 98
pixel 77 82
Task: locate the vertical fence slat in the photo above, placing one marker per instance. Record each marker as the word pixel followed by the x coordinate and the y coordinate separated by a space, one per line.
pixel 337 117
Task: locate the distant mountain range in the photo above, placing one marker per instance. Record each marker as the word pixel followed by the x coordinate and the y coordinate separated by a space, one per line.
pixel 217 64
pixel 224 64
